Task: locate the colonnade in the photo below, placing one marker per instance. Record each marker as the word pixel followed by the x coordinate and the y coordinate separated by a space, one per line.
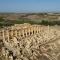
pixel 8 33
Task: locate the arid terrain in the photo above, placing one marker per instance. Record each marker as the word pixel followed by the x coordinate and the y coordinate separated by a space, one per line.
pixel 14 16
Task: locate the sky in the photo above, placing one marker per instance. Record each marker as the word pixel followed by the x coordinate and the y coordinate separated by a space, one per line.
pixel 29 6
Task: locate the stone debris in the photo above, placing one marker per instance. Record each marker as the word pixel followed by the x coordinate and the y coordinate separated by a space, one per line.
pixel 35 43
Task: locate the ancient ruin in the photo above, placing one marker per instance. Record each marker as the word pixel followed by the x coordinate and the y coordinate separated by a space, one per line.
pixel 29 42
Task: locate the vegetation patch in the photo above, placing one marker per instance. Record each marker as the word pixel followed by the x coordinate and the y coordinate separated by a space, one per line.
pixel 25 20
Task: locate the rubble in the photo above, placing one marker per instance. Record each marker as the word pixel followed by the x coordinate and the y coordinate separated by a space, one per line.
pixel 36 45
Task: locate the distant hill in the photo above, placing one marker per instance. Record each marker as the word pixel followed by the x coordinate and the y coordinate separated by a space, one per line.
pixel 32 16
pixel 8 19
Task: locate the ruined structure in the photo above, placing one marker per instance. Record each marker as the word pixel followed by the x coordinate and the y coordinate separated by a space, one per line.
pixel 22 30
pixel 30 42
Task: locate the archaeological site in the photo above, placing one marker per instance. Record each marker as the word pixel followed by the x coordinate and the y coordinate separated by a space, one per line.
pixel 29 42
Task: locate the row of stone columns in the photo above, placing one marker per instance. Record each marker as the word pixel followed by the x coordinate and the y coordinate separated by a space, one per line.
pixel 20 32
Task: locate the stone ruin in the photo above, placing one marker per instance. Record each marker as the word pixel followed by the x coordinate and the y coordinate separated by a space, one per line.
pixel 29 42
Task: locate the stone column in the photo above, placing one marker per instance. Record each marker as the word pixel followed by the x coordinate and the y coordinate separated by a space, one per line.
pixel 3 35
pixel 29 31
pixel 7 32
pixel 23 33
pixel 34 30
pixel 26 32
pixel 11 33
pixel 20 33
pixel 37 29
pixel 16 33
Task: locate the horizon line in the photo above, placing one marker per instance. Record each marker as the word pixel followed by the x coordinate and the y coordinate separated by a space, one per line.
pixel 34 12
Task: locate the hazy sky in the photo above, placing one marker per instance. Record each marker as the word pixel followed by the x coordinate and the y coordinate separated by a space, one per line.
pixel 29 5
